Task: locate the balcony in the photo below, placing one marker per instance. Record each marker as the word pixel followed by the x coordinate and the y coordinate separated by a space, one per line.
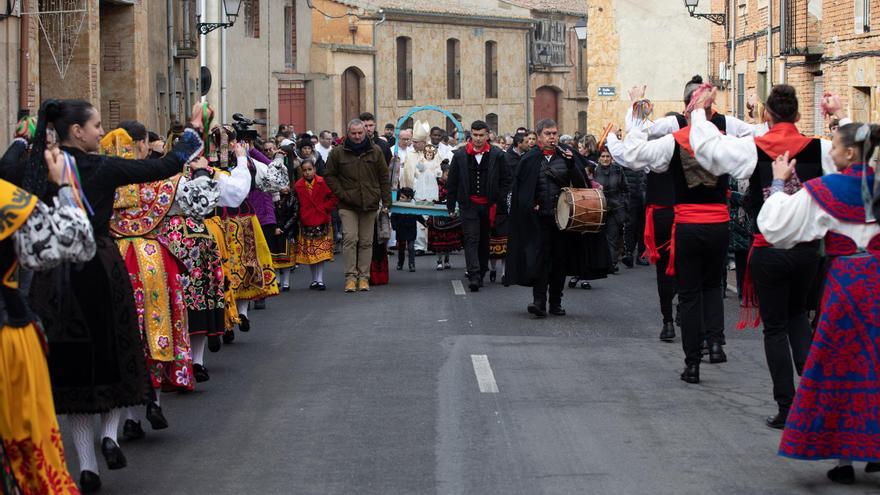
pixel 801 28
pixel 717 71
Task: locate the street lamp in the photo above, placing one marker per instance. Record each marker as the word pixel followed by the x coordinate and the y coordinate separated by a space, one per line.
pixel 544 57
pixel 580 30
pixel 691 5
pixel 231 8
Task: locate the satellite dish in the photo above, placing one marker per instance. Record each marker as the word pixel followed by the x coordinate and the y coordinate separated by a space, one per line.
pixel 205 80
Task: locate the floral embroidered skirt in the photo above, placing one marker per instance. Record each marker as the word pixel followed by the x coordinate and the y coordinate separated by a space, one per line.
pixel 836 411
pixel 192 244
pixel 314 245
pixel 31 438
pixel 444 235
pixel 158 296
pixel 230 311
pixel 252 274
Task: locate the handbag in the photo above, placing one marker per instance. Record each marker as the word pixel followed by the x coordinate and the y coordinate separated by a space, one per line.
pixel 383 227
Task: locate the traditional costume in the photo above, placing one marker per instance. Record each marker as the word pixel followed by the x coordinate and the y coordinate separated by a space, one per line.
pixel 282 245
pixel 540 254
pixel 835 414
pixel 778 279
pixel 38 237
pixel 314 241
pixel 444 233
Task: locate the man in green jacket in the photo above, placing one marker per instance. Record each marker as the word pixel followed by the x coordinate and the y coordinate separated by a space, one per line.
pixel 358 175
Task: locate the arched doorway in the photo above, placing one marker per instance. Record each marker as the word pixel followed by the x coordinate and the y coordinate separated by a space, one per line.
pixel 352 82
pixel 546 103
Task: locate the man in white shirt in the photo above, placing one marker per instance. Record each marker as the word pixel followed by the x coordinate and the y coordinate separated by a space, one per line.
pixel 325 144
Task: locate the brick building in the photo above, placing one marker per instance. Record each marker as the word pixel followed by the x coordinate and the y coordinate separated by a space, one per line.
pixel 817 46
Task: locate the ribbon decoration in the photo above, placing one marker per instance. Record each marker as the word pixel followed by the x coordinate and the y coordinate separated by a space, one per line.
pixel 71 176
pixel 26 128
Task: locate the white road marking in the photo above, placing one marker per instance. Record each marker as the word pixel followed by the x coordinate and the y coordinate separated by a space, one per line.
pixel 458 287
pixel 483 371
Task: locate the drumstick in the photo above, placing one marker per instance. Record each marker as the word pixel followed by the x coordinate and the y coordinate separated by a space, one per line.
pixel 605 136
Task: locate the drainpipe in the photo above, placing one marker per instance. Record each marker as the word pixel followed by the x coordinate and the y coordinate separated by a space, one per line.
pixel 23 43
pixel 375 76
pixel 169 38
pixel 732 39
pixel 203 55
pixel 770 45
pixel 186 36
pixel 528 79
pixel 223 65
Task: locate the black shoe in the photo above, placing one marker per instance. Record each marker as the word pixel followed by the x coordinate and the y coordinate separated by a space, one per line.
pixel 447 265
pixel 872 467
pixel 155 417
pixel 89 482
pixel 668 332
pixel 643 262
pixel 704 349
pixel 691 374
pixel 474 284
pixel 628 261
pixel 286 288
pixel 214 343
pixel 572 282
pixel 259 304
pixel 716 354
pixel 113 454
pixel 845 475
pixel 321 286
pixel 131 430
pixel 228 337
pixel 313 286
pixel 538 310
pixel 201 373
pixel 480 279
pixel 557 310
pixel 586 285
pixel 399 266
pixel 492 275
pixel 777 422
pixel 412 268
pixel 245 324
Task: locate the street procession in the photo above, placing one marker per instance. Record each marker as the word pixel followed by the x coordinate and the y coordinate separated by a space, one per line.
pixel 389 247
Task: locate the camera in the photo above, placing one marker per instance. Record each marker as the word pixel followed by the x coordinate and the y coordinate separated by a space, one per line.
pixel 242 126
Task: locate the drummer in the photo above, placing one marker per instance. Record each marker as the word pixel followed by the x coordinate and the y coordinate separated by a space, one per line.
pixel 540 255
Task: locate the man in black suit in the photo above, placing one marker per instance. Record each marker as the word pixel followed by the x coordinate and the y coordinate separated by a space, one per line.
pixel 478 180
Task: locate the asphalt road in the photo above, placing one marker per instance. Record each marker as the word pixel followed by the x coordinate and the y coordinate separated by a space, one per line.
pixel 380 393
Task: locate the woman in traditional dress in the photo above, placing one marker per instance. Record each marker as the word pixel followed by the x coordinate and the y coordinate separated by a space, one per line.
pixel 444 233
pixel 160 253
pixel 96 359
pixel 37 237
pixel 836 413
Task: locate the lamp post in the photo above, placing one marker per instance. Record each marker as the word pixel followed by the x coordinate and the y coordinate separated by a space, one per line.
pixel 718 19
pixel 580 30
pixel 231 8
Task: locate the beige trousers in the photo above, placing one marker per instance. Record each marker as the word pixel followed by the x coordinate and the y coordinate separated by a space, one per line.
pixel 357 241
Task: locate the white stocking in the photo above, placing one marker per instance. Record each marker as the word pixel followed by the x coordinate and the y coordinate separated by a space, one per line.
pixel 314 270
pixel 242 307
pixel 110 423
pixel 319 272
pixel 198 348
pixel 83 431
pixel 133 413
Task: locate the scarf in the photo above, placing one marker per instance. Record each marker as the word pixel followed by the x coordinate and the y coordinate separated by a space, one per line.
pixel 358 149
pixel 548 151
pixel 780 138
pixel 473 151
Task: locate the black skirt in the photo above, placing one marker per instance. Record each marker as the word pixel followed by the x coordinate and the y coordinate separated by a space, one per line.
pixel 96 355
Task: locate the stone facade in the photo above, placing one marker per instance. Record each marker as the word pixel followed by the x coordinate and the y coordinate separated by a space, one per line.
pixel 825 49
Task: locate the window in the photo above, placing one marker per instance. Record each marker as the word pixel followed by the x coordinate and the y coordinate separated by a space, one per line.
pixel 491 69
pixel 492 122
pixel 290 36
pixel 741 96
pixel 862 16
pixel 860 104
pixel 762 86
pixel 582 66
pixel 404 68
pixel 252 18
pixel 450 125
pixel 407 124
pixel 549 46
pixel 453 69
pixel 582 122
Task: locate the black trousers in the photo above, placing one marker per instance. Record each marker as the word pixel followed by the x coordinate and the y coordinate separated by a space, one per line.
pixel 700 252
pixel 404 247
pixel 633 241
pixel 665 284
pixel 741 259
pixel 783 278
pixel 476 229
pixel 613 229
pixel 552 264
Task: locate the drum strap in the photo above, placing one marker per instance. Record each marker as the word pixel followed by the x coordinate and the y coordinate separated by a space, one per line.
pixel 695 213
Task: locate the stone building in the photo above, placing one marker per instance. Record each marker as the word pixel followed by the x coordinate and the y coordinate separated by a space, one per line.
pixel 817 46
pixel 114 53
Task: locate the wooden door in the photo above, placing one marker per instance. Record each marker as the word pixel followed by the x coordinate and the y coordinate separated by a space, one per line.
pixel 292 108
pixel 546 104
pixel 351 94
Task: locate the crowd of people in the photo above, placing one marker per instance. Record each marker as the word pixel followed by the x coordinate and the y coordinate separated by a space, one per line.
pixel 127 255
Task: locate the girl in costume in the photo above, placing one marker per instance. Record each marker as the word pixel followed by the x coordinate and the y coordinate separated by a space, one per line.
pixel 37 237
pixel 314 243
pixel 96 360
pixel 444 233
pixel 147 223
pixel 836 414
pixel 283 239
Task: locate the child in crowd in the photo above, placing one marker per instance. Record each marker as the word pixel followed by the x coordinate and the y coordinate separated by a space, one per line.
pixel 404 226
pixel 444 233
pixel 314 243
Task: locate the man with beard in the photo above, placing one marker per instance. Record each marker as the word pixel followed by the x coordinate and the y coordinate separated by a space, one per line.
pixel 539 254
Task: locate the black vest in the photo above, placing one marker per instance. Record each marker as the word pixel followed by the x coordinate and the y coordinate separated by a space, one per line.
pixel 809 166
pixel 700 194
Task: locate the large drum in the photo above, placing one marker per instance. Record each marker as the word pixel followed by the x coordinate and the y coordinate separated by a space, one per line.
pixel 581 210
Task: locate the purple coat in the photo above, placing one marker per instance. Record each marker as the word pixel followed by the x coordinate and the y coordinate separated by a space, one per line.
pixel 261 201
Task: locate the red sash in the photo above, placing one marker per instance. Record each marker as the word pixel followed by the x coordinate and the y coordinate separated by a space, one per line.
pixel 749 296
pixel 652 250
pixel 695 213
